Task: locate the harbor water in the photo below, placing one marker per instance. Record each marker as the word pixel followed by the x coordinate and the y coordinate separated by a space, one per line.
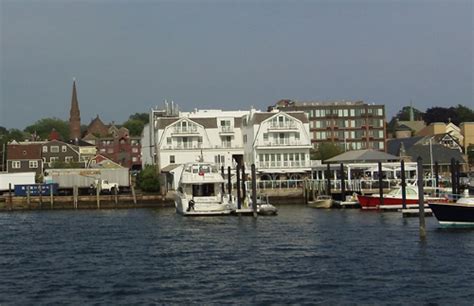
pixel 301 256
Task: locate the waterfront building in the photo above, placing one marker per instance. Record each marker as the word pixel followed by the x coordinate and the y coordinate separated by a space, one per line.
pixel 278 143
pixel 351 125
pixel 25 157
pixel 467 130
pixel 56 152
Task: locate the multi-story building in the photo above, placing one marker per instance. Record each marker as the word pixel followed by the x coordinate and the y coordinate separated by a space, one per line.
pixel 352 125
pixel 25 157
pixel 278 143
pixel 213 135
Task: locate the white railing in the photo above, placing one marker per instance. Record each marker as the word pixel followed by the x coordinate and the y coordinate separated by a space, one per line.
pixel 185 130
pixel 282 125
pixel 282 142
pixel 226 129
pixel 283 164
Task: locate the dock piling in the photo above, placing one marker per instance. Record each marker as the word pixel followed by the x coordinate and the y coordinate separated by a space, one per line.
pixel 254 190
pixel 229 183
pixel 239 199
pixel 51 200
pixel 97 193
pixel 343 183
pixel 421 200
pixel 380 183
pixel 404 185
pixel 436 171
pixel 28 199
pixel 328 178
pixel 10 199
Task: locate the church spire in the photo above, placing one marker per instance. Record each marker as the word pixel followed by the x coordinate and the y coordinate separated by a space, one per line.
pixel 74 115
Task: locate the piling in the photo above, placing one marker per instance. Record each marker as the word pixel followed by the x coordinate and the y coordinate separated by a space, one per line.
pixel 41 196
pixel 254 190
pixel 453 177
pixel 436 171
pixel 10 199
pixel 229 183
pixel 134 195
pixel 458 180
pixel 421 200
pixel 51 200
pixel 380 184
pixel 328 179
pixel 244 188
pixel 28 199
pixel 75 193
pixel 306 191
pixel 223 183
pixel 239 199
pixel 97 193
pixel 343 183
pixel 116 196
pixel 404 185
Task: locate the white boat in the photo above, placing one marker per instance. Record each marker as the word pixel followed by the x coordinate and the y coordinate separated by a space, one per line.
pixel 263 206
pixel 321 201
pixel 200 191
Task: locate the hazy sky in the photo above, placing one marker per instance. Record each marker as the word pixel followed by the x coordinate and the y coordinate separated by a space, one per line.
pixel 128 56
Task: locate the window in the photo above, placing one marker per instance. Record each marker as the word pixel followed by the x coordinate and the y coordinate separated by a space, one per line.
pixel 16 164
pixel 68 159
pixel 297 136
pixel 111 150
pixel 54 149
pixel 63 149
pixel 45 149
pixel 380 112
pixel 265 136
pixel 172 160
pixel 135 150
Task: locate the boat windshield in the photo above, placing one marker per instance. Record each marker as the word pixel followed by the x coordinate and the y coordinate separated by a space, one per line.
pixel 204 190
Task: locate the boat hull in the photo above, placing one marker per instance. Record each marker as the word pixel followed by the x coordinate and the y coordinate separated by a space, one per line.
pixel 373 202
pixel 326 203
pixel 453 214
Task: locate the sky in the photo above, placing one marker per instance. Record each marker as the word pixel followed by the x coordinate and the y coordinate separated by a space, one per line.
pixel 129 56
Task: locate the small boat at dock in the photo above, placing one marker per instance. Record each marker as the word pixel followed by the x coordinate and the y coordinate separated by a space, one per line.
pixel 393 199
pixel 321 201
pixel 263 206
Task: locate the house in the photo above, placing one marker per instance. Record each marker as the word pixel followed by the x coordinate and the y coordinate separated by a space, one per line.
pixel 56 152
pixel 24 157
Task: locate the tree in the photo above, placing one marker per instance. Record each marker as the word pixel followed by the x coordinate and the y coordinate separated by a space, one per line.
pixel 441 114
pixel 148 179
pixel 325 151
pixel 465 114
pixel 43 128
pixel 136 122
pixel 404 114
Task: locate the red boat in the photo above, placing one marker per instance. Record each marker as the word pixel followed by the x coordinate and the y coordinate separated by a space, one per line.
pixel 393 199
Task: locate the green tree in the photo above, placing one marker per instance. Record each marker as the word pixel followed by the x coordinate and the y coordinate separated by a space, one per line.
pixel 325 151
pixel 464 113
pixel 43 127
pixel 148 179
pixel 136 122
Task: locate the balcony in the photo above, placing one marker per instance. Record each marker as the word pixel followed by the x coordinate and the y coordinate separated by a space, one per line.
pixel 185 130
pixel 282 143
pixel 226 130
pixel 282 126
pixel 284 164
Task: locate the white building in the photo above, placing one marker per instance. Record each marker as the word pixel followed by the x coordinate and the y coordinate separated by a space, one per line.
pixel 277 142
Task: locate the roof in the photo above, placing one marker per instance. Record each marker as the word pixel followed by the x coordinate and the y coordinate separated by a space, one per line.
pixel 393 145
pixel 80 142
pixel 363 156
pixel 413 125
pixel 260 117
pixel 170 167
pixel 438 152
pixel 24 151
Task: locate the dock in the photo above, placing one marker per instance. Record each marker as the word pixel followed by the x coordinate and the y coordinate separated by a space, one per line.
pixel 415 212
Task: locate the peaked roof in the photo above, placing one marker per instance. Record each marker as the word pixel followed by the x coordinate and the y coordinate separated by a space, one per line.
pixel 438 153
pixel 393 145
pixel 363 156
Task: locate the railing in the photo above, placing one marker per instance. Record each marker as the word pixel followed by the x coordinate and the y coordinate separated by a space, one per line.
pixel 281 142
pixel 226 129
pixel 283 164
pixel 185 130
pixel 282 125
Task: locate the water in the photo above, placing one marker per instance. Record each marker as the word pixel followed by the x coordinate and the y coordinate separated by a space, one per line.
pixel 302 256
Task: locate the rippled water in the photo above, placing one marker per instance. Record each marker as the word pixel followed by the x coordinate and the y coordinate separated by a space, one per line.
pixel 302 256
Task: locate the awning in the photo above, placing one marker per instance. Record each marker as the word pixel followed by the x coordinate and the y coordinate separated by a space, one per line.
pixel 170 167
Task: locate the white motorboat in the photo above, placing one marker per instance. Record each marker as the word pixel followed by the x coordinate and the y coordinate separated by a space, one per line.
pixel 200 191
pixel 321 201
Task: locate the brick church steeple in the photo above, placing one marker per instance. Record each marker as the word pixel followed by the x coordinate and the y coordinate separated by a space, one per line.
pixel 74 115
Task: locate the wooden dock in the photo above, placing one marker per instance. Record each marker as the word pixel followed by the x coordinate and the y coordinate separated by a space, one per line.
pixel 415 212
